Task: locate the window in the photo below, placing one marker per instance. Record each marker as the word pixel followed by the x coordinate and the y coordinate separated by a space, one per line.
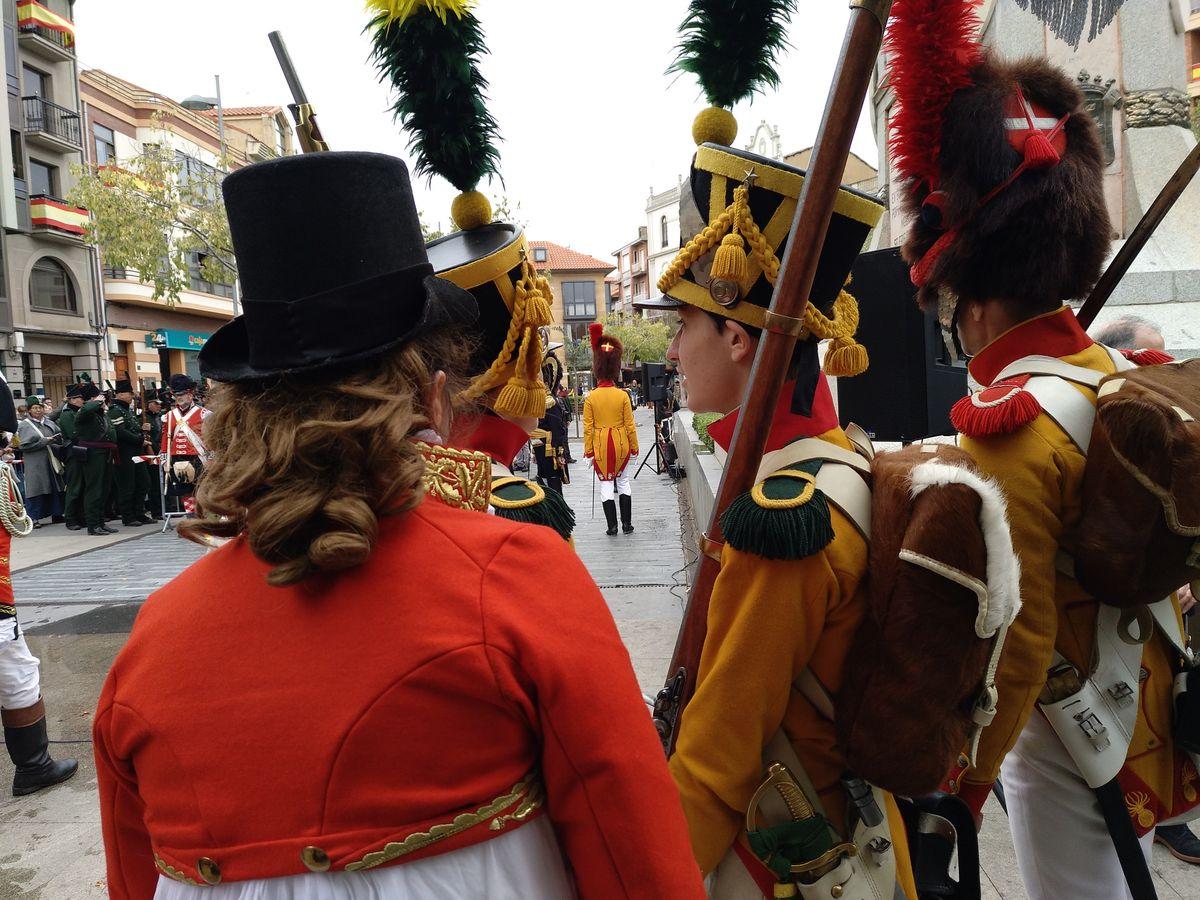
pixel 539 254
pixel 662 227
pixel 280 138
pixel 37 84
pixel 199 176
pixel 639 288
pixel 50 287
pixel 197 281
pixel 18 155
pixel 43 179
pixel 579 299
pixel 106 145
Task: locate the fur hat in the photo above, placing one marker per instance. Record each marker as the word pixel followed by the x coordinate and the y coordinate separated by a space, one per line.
pixel 181 383
pixel 1001 167
pixel 606 354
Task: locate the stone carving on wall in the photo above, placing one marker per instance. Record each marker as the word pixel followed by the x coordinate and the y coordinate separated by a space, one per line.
pixel 1149 109
pixel 1101 98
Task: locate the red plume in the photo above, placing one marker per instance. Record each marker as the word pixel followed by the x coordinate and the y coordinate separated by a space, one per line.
pixel 932 45
pixel 595 332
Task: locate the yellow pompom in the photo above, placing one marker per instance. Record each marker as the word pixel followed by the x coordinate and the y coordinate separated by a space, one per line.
pixel 470 209
pixel 729 262
pixel 714 125
pixel 846 358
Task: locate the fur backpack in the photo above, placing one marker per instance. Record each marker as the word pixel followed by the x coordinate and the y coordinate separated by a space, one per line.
pixel 1139 537
pixel 943 587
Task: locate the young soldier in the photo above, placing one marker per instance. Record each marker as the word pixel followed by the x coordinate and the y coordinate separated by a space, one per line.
pixel 1009 223
pixel 74 464
pixel 609 435
pixel 96 433
pixel 790 594
pixel 183 449
pixel 131 442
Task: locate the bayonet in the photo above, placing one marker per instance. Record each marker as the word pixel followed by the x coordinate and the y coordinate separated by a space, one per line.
pixel 307 129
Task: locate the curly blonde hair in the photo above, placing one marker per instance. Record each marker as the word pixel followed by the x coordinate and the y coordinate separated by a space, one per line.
pixel 305 466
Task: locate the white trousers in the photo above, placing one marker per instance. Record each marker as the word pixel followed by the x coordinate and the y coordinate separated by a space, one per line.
pixel 1063 847
pixel 619 485
pixel 20 685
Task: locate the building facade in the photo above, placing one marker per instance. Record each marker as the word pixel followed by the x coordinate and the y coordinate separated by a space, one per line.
pixel 632 275
pixel 662 237
pixel 49 311
pixel 148 339
pixel 578 283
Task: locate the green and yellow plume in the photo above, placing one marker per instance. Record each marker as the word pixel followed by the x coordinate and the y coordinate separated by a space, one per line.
pixel 731 46
pixel 428 51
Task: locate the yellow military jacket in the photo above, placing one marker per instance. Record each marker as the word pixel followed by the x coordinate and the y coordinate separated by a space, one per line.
pixel 1041 472
pixel 768 620
pixel 609 435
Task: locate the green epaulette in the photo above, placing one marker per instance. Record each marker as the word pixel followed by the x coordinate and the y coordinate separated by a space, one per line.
pixel 784 516
pixel 522 500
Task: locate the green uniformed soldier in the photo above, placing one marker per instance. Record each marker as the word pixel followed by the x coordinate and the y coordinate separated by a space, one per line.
pixel 131 442
pixel 153 417
pixel 74 462
pixel 94 431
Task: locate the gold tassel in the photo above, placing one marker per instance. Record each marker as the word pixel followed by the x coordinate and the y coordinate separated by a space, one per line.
pixel 729 262
pixel 846 358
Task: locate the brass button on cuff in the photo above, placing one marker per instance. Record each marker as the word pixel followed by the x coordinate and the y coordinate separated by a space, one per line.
pixel 315 859
pixel 209 870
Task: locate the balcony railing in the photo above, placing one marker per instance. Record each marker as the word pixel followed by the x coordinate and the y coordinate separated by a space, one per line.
pixel 53 214
pixel 44 117
pixel 35 19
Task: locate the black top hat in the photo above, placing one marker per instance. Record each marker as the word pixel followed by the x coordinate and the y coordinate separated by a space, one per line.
pixel 88 391
pixel 332 265
pixel 74 391
pixel 124 385
pixel 181 382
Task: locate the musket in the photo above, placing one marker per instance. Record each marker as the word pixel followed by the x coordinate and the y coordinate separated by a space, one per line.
pixel 306 119
pixel 852 77
pixel 1137 238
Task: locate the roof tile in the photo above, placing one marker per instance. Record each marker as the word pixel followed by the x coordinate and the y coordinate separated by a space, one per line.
pixel 564 259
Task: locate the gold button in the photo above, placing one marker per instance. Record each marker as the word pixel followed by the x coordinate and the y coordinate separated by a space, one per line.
pixel 963 762
pixel 316 859
pixel 209 870
pixel 837 890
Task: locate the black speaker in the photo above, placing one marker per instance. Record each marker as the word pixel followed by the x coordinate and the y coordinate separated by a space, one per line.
pixel 913 380
pixel 654 382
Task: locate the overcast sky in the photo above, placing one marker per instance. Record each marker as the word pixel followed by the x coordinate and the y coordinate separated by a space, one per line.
pixel 588 118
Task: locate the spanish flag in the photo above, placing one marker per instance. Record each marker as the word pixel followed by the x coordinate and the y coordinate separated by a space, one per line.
pixel 31 14
pixel 54 214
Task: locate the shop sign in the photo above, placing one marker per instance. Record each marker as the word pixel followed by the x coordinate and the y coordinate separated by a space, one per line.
pixel 173 339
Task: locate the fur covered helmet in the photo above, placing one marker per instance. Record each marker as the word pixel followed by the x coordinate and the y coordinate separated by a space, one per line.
pixel 606 354
pixel 1000 166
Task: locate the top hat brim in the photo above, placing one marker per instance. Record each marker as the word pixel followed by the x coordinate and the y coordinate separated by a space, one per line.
pixel 664 302
pixel 226 355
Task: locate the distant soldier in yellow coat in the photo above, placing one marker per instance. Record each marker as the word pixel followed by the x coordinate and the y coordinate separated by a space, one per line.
pixel 609 435
pixel 1010 223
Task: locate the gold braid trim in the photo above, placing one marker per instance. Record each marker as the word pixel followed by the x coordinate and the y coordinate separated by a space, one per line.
pixel 525 796
pixel 459 478
pixel 173 873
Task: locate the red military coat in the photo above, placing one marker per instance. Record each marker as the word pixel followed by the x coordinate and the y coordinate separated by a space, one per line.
pixel 183 432
pixel 244 725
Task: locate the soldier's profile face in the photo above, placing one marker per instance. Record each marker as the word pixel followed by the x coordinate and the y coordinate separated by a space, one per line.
pixel 712 377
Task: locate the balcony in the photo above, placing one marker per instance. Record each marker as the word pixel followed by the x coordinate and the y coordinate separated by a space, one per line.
pixel 57 219
pixel 639 267
pixel 45 33
pixel 51 125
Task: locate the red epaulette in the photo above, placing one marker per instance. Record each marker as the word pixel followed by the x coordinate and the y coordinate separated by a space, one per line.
pixel 1147 357
pixel 1000 409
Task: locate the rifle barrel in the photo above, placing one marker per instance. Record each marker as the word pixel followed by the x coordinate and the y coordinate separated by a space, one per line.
pixel 1137 238
pixel 852 77
pixel 289 71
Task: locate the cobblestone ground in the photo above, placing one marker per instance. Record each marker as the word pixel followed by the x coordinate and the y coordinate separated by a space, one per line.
pixel 78 610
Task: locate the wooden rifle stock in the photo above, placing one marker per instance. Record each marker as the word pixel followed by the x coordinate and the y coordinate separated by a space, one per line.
pixel 1137 239
pixel 851 79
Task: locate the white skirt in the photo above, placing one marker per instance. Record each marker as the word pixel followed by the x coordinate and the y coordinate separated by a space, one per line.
pixel 525 864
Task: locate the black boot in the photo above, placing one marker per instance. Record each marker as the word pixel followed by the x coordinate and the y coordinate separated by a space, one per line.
pixel 610 513
pixel 626 513
pixel 28 747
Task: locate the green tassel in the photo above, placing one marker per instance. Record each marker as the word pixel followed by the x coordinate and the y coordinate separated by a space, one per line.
pixel 553 511
pixel 794 532
pixel 790 844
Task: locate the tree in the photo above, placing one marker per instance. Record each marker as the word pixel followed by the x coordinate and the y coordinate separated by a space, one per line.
pixel 644 340
pixel 152 212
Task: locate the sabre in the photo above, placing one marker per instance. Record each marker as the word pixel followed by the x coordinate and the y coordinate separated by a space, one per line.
pixel 307 129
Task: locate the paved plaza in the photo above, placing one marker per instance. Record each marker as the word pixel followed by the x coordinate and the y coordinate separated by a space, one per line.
pixel 77 598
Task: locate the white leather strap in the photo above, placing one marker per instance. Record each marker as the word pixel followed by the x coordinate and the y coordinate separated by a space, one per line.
pixel 810 688
pixel 845 489
pixel 861 440
pixel 1048 365
pixel 808 449
pixel 1059 399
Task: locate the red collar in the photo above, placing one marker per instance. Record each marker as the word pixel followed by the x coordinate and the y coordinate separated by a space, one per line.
pixel 1054 334
pixel 498 438
pixel 786 425
pixel 605 383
